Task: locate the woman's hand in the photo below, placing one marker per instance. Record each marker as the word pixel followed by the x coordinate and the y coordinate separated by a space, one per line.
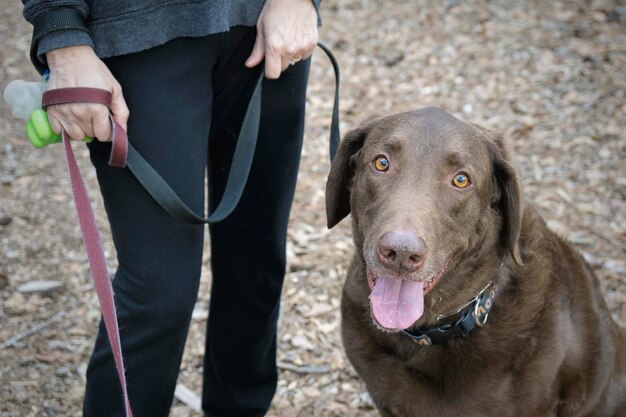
pixel 79 66
pixel 286 32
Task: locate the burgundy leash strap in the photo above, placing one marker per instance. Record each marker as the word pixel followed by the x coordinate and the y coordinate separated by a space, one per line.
pixel 87 221
pixel 76 95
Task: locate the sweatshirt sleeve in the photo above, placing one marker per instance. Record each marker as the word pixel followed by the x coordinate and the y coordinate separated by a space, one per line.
pixel 56 24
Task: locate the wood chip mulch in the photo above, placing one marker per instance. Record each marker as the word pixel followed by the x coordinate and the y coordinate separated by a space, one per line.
pixel 548 74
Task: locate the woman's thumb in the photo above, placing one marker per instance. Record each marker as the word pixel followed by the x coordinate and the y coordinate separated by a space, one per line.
pixel 119 107
pixel 258 51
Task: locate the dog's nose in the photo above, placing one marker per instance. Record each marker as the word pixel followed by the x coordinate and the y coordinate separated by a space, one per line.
pixel 401 251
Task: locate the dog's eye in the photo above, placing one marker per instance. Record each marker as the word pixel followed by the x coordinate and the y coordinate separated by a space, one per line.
pixel 381 164
pixel 461 180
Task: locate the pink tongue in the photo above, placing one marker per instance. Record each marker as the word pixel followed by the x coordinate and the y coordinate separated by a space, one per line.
pixel 397 304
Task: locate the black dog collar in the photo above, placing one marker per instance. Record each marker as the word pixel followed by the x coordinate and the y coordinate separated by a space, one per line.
pixel 472 314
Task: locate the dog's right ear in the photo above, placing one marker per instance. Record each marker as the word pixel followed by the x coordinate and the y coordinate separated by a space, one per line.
pixel 339 181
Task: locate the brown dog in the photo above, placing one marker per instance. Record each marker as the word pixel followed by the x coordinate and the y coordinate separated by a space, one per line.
pixel 502 317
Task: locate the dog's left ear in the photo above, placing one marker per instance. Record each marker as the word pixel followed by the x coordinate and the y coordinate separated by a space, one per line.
pixel 341 173
pixel 506 196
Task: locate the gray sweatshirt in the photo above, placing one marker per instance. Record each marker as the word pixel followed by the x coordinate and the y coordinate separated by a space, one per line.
pixel 118 27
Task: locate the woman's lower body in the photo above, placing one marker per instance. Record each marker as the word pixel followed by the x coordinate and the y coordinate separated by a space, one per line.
pixel 187 99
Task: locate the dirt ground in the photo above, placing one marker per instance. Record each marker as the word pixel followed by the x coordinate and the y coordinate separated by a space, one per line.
pixel 550 74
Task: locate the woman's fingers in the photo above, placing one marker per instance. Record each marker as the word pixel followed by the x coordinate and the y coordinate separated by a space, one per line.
pixel 309 51
pixel 55 124
pixel 102 126
pixel 72 130
pixel 286 33
pixel 75 132
pixel 79 119
pixel 273 63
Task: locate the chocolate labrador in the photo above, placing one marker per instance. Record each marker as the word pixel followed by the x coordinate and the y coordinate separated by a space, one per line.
pixel 459 300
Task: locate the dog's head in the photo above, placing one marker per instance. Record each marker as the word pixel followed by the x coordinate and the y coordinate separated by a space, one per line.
pixel 433 200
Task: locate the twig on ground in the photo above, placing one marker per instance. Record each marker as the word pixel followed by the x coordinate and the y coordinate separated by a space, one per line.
pixel 306 369
pixel 32 330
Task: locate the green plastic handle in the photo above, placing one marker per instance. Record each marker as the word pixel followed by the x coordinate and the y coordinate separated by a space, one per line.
pixel 39 131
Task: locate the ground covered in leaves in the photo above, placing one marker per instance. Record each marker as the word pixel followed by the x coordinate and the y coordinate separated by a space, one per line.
pixel 548 74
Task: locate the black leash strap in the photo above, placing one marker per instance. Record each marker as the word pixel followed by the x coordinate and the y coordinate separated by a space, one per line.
pixel 167 198
pixel 334 125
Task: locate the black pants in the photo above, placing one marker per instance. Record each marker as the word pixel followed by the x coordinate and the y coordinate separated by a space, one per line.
pixel 187 99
